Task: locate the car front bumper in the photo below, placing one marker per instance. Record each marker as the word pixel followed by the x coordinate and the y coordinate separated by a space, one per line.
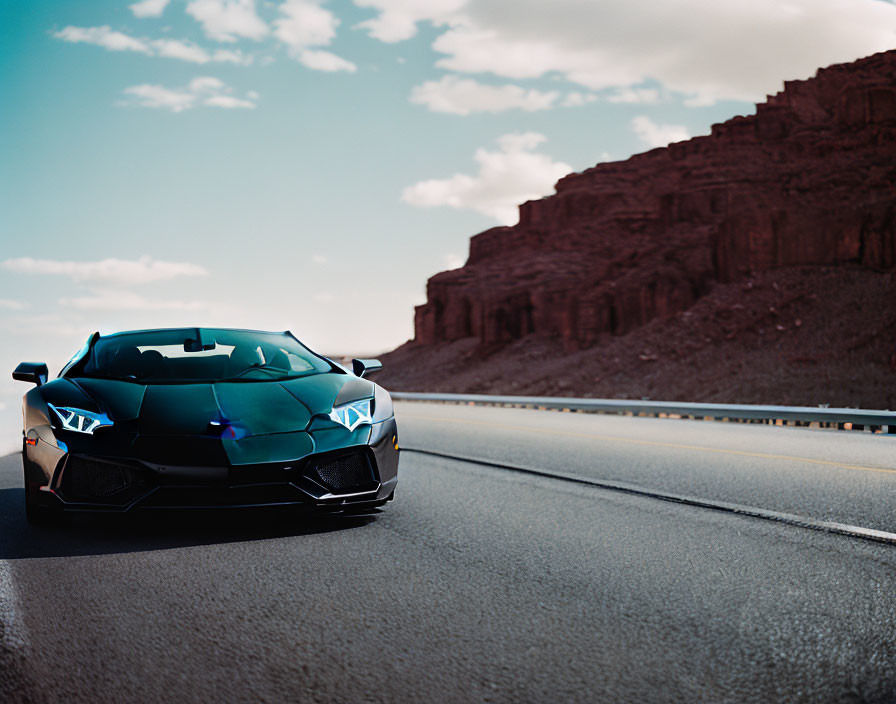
pixel 348 479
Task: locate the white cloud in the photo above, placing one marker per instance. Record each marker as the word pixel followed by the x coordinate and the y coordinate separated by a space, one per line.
pixel 228 20
pixel 103 36
pixel 206 84
pixel 10 304
pixel 117 271
pixel 471 49
pixel 170 48
pixel 321 60
pixel 642 96
pixel 507 177
pixel 149 8
pixel 204 90
pixel 304 24
pixel 228 102
pixel 577 99
pixel 462 96
pixel 229 56
pixel 155 96
pixel 453 261
pixel 397 19
pixel 654 135
pixel 704 49
pixel 119 299
pixel 185 51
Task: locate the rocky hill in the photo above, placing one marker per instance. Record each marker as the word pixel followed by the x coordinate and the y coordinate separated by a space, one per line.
pixel 799 197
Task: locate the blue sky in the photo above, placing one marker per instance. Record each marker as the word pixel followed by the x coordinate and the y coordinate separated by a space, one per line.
pixel 308 165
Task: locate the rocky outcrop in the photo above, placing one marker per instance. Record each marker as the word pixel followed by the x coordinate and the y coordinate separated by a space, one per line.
pixel 803 335
pixel 810 179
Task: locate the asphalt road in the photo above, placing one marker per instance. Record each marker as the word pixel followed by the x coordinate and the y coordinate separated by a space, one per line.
pixel 482 584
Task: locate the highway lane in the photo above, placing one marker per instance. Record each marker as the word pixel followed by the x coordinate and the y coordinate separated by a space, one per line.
pixel 830 475
pixel 476 584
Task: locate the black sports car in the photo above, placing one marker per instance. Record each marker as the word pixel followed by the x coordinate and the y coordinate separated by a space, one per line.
pixel 201 418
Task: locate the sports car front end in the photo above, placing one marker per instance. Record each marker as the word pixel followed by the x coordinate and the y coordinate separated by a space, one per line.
pixel 305 433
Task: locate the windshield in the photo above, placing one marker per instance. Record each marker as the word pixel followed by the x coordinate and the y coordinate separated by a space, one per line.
pixel 201 355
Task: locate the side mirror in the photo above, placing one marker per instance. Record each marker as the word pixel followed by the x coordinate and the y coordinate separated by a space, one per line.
pixel 364 367
pixel 33 372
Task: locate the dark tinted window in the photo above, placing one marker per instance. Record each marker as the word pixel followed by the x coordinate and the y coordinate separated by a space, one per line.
pixel 206 354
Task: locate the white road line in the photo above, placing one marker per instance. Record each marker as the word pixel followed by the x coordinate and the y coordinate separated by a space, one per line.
pixel 878 536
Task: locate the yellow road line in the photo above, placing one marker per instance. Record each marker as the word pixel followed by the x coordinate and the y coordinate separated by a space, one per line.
pixel 656 443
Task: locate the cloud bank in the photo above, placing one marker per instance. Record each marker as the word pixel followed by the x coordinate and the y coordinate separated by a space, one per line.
pixel 704 49
pixel 116 271
pixel 107 283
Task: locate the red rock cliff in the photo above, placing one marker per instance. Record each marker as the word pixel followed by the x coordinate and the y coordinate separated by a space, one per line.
pixel 809 179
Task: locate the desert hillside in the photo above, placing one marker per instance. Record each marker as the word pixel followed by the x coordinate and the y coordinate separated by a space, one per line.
pixel 755 264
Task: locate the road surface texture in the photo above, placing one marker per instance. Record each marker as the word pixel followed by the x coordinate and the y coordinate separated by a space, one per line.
pixel 483 584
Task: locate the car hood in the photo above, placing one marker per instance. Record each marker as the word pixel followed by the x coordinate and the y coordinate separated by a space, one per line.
pixel 251 422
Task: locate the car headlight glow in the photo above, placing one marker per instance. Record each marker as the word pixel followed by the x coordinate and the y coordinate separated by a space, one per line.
pixel 353 414
pixel 80 421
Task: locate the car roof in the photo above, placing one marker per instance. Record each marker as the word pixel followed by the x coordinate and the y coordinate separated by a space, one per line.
pixel 191 328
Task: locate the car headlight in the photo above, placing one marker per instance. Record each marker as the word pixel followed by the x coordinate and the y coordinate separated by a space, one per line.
pixel 353 414
pixel 80 421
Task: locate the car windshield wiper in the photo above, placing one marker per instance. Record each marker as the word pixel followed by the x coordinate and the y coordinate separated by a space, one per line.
pixel 110 377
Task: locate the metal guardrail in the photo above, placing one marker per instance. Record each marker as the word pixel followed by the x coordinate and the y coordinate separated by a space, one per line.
pixel 844 418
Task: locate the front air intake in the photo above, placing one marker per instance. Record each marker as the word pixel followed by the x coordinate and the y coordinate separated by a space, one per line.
pixel 86 478
pixel 346 474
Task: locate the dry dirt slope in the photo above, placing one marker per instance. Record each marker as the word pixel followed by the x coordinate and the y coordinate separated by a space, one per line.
pixel 801 335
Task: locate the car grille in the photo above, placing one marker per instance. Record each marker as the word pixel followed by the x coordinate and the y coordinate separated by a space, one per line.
pixel 221 496
pixel 87 478
pixel 346 474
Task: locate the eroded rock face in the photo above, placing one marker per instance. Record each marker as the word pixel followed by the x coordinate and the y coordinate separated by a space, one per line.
pixel 809 179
